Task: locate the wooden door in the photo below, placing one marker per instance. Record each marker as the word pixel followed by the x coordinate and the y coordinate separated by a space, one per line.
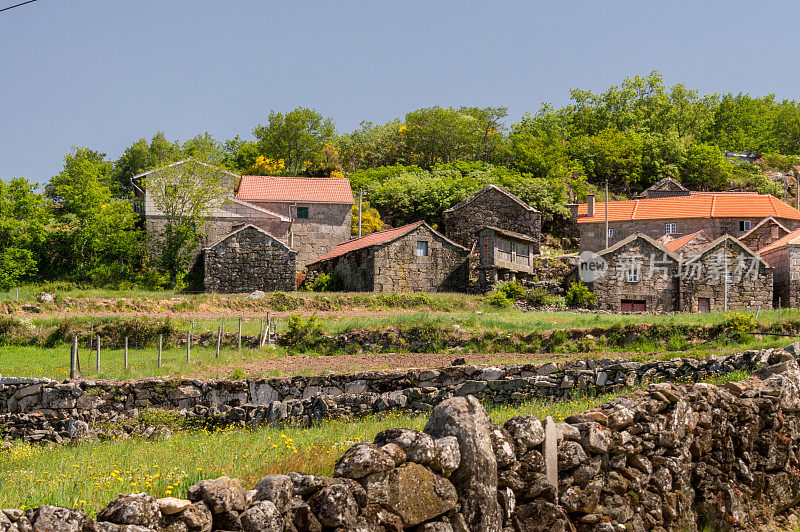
pixel 633 305
pixel 703 304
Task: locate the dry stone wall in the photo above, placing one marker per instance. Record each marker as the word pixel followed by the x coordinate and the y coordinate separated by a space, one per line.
pixel 46 410
pixel 670 457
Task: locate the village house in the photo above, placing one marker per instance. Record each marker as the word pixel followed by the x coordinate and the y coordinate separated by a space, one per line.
pixel 308 216
pixel 714 213
pixel 492 206
pixel 689 274
pixel 784 256
pixel 504 255
pixel 665 188
pixel 412 258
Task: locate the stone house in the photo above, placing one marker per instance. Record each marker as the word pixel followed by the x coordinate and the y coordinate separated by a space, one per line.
pixel 320 210
pixel 640 275
pixel 714 213
pixel 492 206
pixel 249 259
pixel 764 233
pixel 784 256
pixel 412 258
pixel 686 245
pixel 686 275
pixel 725 275
pixel 504 255
pixel 665 188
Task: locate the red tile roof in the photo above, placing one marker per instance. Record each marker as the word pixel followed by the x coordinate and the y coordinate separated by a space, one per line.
pixel 678 243
pixel 295 189
pixel 381 237
pixel 695 206
pixel 791 238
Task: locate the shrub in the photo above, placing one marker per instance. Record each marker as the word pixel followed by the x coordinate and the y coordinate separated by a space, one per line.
pixel 498 299
pixel 738 324
pixel 326 282
pixel 303 334
pixel 540 297
pixel 511 289
pixel 579 296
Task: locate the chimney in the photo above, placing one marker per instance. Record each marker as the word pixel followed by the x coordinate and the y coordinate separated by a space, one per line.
pixel 590 205
pixel 573 210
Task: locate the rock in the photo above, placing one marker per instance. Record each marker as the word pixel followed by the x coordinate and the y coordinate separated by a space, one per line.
pixel 45 297
pixel 172 505
pixel 223 494
pixel 278 489
pixel 448 456
pixel 527 432
pixel 395 452
pixel 263 517
pixel 418 446
pixel 197 517
pixel 539 516
pixel 435 526
pixel 334 506
pixel 48 518
pixel 105 526
pixel 135 509
pixel 459 362
pixel 570 455
pixel 305 484
pixel 417 495
pixel 503 446
pixel 593 438
pixel 32 309
pixel 476 477
pixel 361 460
pixel 303 518
pixel 258 294
pixel 587 417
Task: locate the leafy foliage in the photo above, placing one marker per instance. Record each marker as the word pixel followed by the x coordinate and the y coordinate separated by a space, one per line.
pixel 579 296
pixel 326 282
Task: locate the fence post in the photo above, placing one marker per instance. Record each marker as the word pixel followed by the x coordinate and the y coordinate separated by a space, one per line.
pixel 188 346
pixel 126 353
pixel 219 339
pixel 91 336
pixel 72 357
pixel 77 356
pixel 97 360
pixel 550 452
pixel 160 340
pixel 240 334
pixel 260 329
pixel 779 308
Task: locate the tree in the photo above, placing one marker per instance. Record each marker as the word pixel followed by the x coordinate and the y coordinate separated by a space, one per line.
pixel 297 137
pixel 23 220
pixel 613 155
pixel 186 195
pixel 370 220
pixel 705 168
pixel 142 156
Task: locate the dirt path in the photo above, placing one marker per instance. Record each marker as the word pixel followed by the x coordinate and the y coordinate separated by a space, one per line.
pixel 309 365
pixel 217 314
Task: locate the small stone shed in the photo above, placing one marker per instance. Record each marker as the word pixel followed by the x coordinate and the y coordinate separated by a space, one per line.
pixel 504 255
pixel 495 207
pixel 412 258
pixel 249 259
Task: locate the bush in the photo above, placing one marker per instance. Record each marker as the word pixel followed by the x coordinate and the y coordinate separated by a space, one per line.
pixel 579 296
pixel 511 289
pixel 540 297
pixel 303 334
pixel 738 324
pixel 498 299
pixel 326 282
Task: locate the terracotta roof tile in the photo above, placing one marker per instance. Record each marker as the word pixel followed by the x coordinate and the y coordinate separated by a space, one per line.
pixel 678 243
pixel 695 206
pixel 373 239
pixel 295 189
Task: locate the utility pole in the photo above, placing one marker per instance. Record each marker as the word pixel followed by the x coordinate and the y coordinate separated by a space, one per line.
pixel 360 197
pixel 725 280
pixel 606 213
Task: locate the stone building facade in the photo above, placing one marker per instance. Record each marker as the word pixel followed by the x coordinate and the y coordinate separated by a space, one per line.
pixel 763 234
pixel 784 256
pixel 632 282
pixel 715 214
pixel 748 286
pixel 665 188
pixel 249 259
pixel 413 258
pixel 496 207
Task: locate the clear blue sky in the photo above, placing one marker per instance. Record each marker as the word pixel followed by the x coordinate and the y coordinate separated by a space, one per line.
pixel 104 73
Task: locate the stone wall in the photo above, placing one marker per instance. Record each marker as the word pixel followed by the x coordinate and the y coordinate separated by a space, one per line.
pixel 760 237
pixel 593 234
pixel 43 409
pixel 399 269
pixel 356 269
pixel 491 206
pixel 327 226
pixel 658 287
pixel 249 260
pixel 745 292
pixel 670 457
pixel 786 275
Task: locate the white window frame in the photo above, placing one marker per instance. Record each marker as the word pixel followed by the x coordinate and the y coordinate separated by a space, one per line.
pixel 422 251
pixel 671 228
pixel 610 232
pixel 632 275
pixel 729 277
pixel 744 226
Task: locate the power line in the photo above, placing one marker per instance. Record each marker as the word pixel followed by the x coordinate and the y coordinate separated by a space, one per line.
pixel 17 5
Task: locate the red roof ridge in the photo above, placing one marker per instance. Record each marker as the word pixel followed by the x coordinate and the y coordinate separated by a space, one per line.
pixel 635 208
pixel 372 239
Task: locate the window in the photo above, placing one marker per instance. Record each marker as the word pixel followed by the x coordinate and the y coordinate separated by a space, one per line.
pixel 422 248
pixel 610 233
pixel 729 277
pixel 302 213
pixel 671 228
pixel 632 275
pixel 744 225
